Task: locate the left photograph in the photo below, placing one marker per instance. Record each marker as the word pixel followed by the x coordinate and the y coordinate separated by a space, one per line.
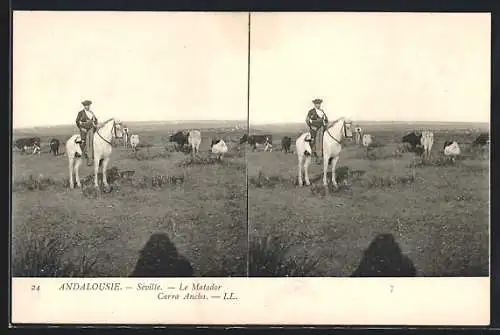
pixel 126 154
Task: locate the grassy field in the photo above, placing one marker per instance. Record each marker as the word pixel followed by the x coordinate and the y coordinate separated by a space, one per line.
pixel 438 213
pixel 200 204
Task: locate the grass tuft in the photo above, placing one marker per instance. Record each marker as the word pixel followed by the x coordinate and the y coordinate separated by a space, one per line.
pixel 43 257
pixel 268 258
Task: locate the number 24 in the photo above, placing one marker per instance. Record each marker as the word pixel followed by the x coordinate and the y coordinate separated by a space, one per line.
pixel 35 287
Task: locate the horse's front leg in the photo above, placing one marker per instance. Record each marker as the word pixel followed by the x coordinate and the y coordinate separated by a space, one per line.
pixel 78 162
pixel 104 169
pixel 96 171
pixel 326 158
pixel 334 165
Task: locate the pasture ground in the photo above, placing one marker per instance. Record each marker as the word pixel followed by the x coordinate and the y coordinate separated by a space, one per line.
pixel 202 207
pixel 438 213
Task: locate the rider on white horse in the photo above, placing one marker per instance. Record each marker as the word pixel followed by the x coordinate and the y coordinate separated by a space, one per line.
pixel 316 118
pixel 86 121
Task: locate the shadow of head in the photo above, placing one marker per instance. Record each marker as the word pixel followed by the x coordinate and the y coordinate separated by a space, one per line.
pixel 160 258
pixel 383 258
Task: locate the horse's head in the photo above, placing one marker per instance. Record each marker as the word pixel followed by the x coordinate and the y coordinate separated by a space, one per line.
pixel 347 128
pixel 118 128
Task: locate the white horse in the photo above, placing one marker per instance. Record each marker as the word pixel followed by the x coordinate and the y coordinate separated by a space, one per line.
pixel 332 145
pixel 102 151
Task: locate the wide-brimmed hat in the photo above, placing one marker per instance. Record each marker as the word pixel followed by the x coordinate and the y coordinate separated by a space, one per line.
pixel 317 101
pixel 86 102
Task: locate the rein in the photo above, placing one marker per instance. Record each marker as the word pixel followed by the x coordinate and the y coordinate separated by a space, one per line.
pixel 114 131
pixel 343 127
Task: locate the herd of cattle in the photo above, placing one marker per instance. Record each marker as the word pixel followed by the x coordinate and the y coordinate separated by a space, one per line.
pixel 420 142
pixel 181 139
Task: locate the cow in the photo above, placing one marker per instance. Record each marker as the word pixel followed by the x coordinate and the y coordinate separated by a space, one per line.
pixel 257 140
pixel 451 149
pixel 482 139
pixel 427 140
pixel 194 140
pixel 134 141
pixel 180 138
pixel 126 137
pixel 286 143
pixel 24 144
pixel 358 133
pixel 413 139
pixel 218 147
pixel 413 142
pixel 367 142
pixel 54 146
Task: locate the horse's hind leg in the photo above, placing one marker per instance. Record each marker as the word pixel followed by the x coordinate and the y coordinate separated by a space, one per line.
pixel 105 162
pixel 78 162
pixel 301 161
pixel 307 162
pixel 70 167
pixel 334 165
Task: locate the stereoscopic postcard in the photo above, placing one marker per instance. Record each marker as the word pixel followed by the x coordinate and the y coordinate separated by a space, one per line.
pixel 219 168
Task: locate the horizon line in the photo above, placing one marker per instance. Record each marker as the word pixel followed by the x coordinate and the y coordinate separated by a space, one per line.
pixel 131 122
pixel 251 123
pixel 376 121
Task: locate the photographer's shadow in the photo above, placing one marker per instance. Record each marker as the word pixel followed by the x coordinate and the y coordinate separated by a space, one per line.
pixel 384 258
pixel 160 258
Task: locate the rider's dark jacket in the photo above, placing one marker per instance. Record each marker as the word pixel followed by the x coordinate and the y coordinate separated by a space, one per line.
pixel 82 120
pixel 314 120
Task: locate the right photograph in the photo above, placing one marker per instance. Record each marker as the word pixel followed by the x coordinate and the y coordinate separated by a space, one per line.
pixel 368 145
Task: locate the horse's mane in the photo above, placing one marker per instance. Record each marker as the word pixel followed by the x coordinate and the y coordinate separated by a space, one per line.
pixel 331 124
pixel 104 123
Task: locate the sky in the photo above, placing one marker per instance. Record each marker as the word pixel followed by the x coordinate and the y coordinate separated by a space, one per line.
pixel 370 66
pixel 147 66
pixel 135 66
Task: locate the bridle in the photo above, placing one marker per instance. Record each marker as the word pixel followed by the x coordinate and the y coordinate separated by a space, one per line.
pixel 114 133
pixel 343 128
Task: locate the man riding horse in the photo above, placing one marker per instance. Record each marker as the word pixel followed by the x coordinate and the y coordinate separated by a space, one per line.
pixel 316 119
pixel 86 121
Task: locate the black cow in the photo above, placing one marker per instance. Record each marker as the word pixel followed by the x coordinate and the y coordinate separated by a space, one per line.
pixel 482 139
pixel 286 143
pixel 54 146
pixel 256 140
pixel 412 138
pixel 24 143
pixel 180 138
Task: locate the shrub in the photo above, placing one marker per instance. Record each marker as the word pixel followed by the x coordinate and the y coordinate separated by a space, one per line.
pixel 268 259
pixel 33 183
pixel 387 181
pixel 200 160
pixel 43 257
pixel 262 180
